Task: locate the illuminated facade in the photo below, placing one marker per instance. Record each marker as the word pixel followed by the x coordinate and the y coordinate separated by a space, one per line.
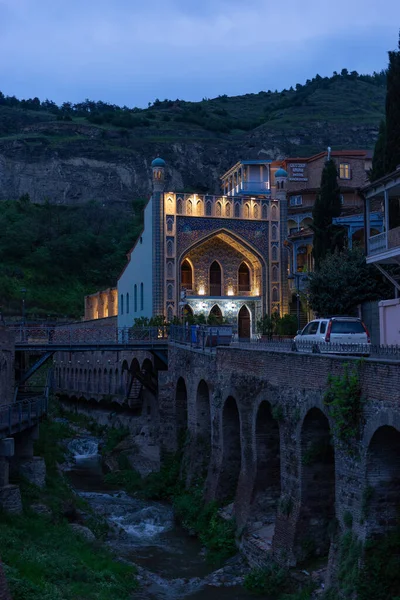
pixel 207 254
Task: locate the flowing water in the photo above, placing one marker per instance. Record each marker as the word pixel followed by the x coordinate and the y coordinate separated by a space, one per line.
pixel 171 563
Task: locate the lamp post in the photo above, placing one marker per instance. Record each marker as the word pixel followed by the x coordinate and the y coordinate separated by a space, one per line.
pixel 23 292
pixel 297 277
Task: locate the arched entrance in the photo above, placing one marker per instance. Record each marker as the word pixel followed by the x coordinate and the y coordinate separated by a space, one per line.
pixel 215 316
pixel 244 278
pixel 186 275
pixel 383 481
pixel 317 510
pixel 267 487
pixel 231 452
pixel 215 279
pixel 181 409
pixel 244 323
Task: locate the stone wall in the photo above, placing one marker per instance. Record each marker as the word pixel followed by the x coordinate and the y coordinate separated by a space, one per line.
pixel 7 356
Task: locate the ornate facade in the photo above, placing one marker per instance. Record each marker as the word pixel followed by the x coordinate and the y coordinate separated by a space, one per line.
pixel 219 254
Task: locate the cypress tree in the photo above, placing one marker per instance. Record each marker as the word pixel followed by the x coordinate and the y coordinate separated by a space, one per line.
pixel 378 161
pixel 392 154
pixel 327 237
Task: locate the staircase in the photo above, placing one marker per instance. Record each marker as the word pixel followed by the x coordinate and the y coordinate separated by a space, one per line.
pixel 134 396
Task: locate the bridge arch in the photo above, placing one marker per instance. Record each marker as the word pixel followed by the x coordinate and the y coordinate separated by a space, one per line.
pixel 317 493
pixel 135 366
pixel 382 495
pixel 231 451
pixel 267 484
pixel 181 407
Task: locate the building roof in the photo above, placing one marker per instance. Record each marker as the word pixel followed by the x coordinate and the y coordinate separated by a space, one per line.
pixel 334 153
pixel 281 173
pixel 266 161
pixel 158 162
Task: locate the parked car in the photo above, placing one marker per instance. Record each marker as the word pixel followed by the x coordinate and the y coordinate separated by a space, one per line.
pixel 346 335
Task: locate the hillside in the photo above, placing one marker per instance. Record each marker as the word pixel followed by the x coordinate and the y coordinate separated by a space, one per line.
pixel 96 151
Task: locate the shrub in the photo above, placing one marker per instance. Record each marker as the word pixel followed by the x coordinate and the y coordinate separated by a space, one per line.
pixel 269 580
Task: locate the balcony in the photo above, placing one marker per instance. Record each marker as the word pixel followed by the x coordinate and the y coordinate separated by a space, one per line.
pixel 384 242
pixel 250 187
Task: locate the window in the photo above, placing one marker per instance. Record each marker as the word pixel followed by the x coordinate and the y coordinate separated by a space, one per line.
pixel 347 327
pixel 170 270
pixel 296 200
pixel 274 232
pixel 274 253
pixel 311 328
pixel 322 327
pixel 208 209
pixel 275 273
pixel 237 210
pixel 218 209
pixel 127 304
pixel 141 296
pixel 274 212
pixel 170 248
pixel 344 171
pixel 189 207
pixel 228 210
pixel 170 314
pixel 244 278
pixel 121 308
pixel 255 213
pixel 199 210
pixel 247 211
pixel 186 275
pixel 179 206
pixel 293 230
pixel 215 279
pixel 169 225
pixel 170 291
pixel 275 295
pixel 135 297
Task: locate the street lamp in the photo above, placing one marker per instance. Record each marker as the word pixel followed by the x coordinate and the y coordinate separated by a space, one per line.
pixel 23 292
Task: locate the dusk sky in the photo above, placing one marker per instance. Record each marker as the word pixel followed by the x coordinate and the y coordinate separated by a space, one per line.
pixel 133 51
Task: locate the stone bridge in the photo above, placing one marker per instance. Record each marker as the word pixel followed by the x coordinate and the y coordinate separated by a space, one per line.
pixel 259 432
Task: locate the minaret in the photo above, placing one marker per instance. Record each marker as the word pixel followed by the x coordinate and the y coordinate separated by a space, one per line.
pixel 158 167
pixel 280 194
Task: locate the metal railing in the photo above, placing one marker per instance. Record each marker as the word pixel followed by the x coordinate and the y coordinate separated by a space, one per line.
pixel 201 337
pixel 73 335
pixel 20 415
pixel 377 243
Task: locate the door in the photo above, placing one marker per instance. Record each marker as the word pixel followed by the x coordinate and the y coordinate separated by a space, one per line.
pixel 244 323
pixel 215 279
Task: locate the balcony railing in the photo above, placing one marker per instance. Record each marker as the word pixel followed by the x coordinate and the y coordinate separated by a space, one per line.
pixel 377 243
pixel 251 187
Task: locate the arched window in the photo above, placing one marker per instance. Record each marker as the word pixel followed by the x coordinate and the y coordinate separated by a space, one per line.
pixel 247 211
pixel 141 296
pixel 170 224
pixel 274 253
pixel 170 269
pixel 215 279
pixel 186 275
pixel 189 207
pixel 170 291
pixel 218 209
pixel 215 314
pixel 170 314
pixel 179 206
pixel 127 304
pixel 275 295
pixel 274 212
pixel 264 211
pixel 199 210
pixel 228 209
pixel 237 210
pixel 170 248
pixel 274 232
pixel 244 278
pixel 255 211
pixel 208 209
pixel 170 204
pixel 121 308
pixel 135 298
pixel 275 273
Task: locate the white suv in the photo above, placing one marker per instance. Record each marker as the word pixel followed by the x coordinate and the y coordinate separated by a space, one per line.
pixel 334 334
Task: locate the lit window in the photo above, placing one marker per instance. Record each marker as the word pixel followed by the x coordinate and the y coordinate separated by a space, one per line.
pixel 296 200
pixel 218 209
pixel 344 171
pixel 228 210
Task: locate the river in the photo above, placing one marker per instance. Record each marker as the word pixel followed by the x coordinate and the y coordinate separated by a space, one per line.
pixel 171 563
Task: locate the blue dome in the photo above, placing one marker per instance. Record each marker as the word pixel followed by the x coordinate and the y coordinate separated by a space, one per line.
pixel 158 162
pixel 281 173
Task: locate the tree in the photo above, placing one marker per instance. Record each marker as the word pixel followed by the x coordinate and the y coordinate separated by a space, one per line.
pixel 392 154
pixel 343 281
pixel 378 161
pixel 327 237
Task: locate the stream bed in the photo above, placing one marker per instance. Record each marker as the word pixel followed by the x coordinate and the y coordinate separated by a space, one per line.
pixel 171 564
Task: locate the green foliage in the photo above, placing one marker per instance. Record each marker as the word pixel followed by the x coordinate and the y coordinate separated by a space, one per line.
pixel 343 281
pixel 392 148
pixel 327 237
pixel 156 321
pixel 45 560
pixel 345 403
pixel 378 160
pixel 113 436
pixel 278 413
pixel 128 479
pixel 267 581
pixel 265 326
pixel 350 553
pixel 274 324
pixel 348 519
pixel 59 254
